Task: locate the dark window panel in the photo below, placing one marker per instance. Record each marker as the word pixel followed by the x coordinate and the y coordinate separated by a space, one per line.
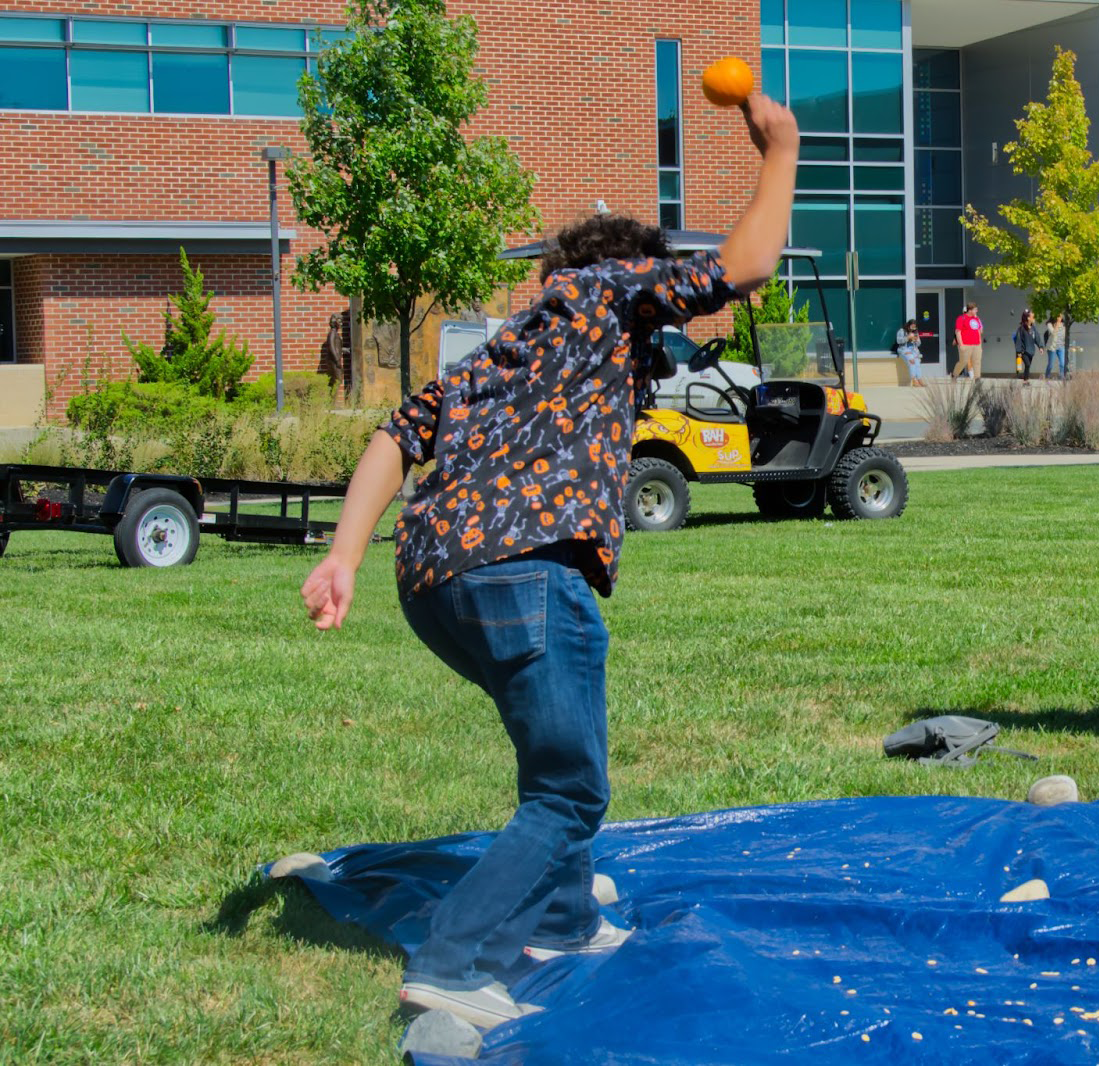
pixel 936 68
pixel 266 85
pixel 885 179
pixel 109 81
pixel 938 177
pixel 876 90
pixel 33 78
pixel 818 90
pixel 879 235
pixel 773 62
pixel 823 149
pixel 875 150
pixel 876 24
pixel 821 222
pixel 818 23
pixel 771 29
pixel 191 84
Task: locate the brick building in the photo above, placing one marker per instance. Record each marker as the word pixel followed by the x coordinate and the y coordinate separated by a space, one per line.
pixel 128 129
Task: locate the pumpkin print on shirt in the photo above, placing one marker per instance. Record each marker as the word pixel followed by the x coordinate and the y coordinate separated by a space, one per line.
pixel 531 431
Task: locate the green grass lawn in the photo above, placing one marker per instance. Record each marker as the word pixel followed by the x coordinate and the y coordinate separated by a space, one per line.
pixel 165 731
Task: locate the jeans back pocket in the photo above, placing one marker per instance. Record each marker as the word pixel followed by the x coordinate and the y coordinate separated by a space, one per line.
pixel 504 614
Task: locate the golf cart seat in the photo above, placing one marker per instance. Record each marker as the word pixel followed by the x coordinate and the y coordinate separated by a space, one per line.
pixel 784 405
pixel 708 403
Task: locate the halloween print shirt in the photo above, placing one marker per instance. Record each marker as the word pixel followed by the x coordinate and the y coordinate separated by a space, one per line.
pixel 531 431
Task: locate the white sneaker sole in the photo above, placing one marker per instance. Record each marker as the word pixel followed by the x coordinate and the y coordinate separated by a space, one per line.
pixel 485 1015
pixel 607 938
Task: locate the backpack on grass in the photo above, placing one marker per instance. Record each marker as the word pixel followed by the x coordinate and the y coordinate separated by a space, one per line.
pixel 950 739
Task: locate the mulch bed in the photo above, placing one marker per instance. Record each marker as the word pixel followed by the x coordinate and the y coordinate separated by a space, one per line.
pixel 979 445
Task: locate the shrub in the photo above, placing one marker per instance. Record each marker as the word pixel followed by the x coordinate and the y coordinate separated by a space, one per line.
pixel 299 388
pixel 128 405
pixel 1031 414
pixel 949 409
pixel 776 304
pixel 992 403
pixel 214 367
pixel 1079 424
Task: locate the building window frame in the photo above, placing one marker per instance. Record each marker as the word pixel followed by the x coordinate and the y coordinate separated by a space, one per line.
pixel 670 193
pixel 71 44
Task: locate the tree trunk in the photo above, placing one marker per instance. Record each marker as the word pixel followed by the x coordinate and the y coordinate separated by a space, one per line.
pixel 1068 338
pixel 404 319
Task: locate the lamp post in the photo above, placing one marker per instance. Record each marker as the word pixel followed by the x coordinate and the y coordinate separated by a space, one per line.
pixel 272 154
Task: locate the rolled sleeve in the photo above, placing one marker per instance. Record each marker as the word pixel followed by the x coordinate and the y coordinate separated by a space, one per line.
pixel 666 291
pixel 415 423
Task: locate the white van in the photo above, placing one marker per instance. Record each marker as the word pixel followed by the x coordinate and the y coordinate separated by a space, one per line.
pixel 458 339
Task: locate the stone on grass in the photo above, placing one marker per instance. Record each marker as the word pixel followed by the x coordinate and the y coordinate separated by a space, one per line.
pixel 1049 791
pixel 302 864
pixel 1027 892
pixel 442 1033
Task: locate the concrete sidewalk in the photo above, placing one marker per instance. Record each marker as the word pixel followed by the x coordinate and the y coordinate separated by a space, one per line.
pixel 913 463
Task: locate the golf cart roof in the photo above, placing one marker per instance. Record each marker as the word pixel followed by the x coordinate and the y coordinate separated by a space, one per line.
pixel 682 241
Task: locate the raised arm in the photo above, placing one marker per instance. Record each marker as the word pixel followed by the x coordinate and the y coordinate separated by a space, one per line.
pixel 753 248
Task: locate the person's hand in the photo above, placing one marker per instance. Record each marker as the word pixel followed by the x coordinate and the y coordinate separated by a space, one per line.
pixel 771 126
pixel 328 592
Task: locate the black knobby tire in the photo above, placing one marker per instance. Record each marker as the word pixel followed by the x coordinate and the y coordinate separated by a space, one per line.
pixel 657 498
pixel 790 499
pixel 158 528
pixel 868 483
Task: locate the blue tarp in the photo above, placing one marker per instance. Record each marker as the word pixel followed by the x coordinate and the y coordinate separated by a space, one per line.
pixel 849 931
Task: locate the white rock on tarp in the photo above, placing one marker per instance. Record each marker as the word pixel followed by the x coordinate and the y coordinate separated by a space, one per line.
pixel 302 864
pixel 1027 892
pixel 1049 791
pixel 442 1033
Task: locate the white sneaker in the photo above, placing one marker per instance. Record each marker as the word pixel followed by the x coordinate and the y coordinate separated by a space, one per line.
pixel 604 889
pixel 485 1007
pixel 606 938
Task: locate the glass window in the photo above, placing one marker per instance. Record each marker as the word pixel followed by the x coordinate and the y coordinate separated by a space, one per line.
pixel 670 216
pixel 5 272
pixel 938 177
pixel 188 35
pixel 266 39
pixel 667 103
pixel 938 236
pixel 876 92
pixel 835 300
pixel 669 185
pixel 886 179
pixel 773 62
pixel 830 178
pixel 110 81
pixel 771 29
pixel 94 32
pixel 876 23
pixel 818 90
pixel 936 68
pixel 266 85
pixel 821 222
pixel 31 30
pixel 823 149
pixel 818 23
pixel 879 310
pixel 938 120
pixel 325 38
pixel 879 235
pixel 33 78
pixel 875 150
pixel 194 84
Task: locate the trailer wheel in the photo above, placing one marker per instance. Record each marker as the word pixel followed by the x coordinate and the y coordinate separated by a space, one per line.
pixel 790 499
pixel 868 483
pixel 657 497
pixel 3 543
pixel 158 528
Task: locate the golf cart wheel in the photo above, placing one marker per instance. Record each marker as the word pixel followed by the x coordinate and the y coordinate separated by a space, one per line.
pixel 868 483
pixel 159 528
pixel 657 497
pixel 790 499
pixel 3 543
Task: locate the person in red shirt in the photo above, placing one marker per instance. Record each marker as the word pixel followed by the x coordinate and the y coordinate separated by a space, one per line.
pixel 968 330
pixel 501 547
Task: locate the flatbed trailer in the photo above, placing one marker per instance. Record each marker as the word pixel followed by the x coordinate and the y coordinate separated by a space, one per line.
pixel 156 519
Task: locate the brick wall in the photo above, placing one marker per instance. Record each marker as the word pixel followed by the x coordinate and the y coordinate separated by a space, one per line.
pixel 573 90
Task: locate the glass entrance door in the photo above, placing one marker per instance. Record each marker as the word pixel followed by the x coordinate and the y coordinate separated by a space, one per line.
pixel 929 319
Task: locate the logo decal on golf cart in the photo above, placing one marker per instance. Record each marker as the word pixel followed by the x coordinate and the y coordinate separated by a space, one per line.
pixel 714 437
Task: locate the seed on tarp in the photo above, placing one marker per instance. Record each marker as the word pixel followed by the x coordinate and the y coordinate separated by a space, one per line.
pixel 852 992
pixel 865 1038
pixel 981 969
pixel 1091 962
pixel 917 1036
pixel 837 980
pixel 845 1012
pixel 1027 1021
pixel 1027 892
pixel 1090 1016
pixel 1033 984
pixel 971 1003
pixel 1050 973
pixel 950 1010
pixel 932 962
pixel 1058 1021
pixel 1075 962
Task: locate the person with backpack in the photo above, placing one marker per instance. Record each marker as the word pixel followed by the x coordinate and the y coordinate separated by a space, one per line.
pixel 1027 342
pixel 907 347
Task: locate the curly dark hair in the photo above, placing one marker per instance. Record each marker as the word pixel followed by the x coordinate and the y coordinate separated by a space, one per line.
pixel 604 237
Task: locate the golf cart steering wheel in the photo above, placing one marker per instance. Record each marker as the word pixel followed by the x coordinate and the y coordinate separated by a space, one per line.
pixel 707 356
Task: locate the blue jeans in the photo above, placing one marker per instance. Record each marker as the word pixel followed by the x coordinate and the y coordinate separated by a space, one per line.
pixel 527 631
pixel 1059 355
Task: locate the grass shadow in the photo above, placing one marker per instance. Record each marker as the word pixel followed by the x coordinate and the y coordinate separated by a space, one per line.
pixel 1048 719
pixel 716 518
pixel 299 918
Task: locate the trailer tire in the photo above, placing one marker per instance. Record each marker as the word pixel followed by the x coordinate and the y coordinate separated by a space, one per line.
pixel 158 528
pixel 3 543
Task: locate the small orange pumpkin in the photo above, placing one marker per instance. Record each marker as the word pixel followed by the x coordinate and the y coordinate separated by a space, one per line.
pixel 728 82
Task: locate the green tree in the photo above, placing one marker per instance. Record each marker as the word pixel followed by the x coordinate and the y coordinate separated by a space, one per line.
pixel 211 366
pixel 411 206
pixel 784 350
pixel 1051 249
